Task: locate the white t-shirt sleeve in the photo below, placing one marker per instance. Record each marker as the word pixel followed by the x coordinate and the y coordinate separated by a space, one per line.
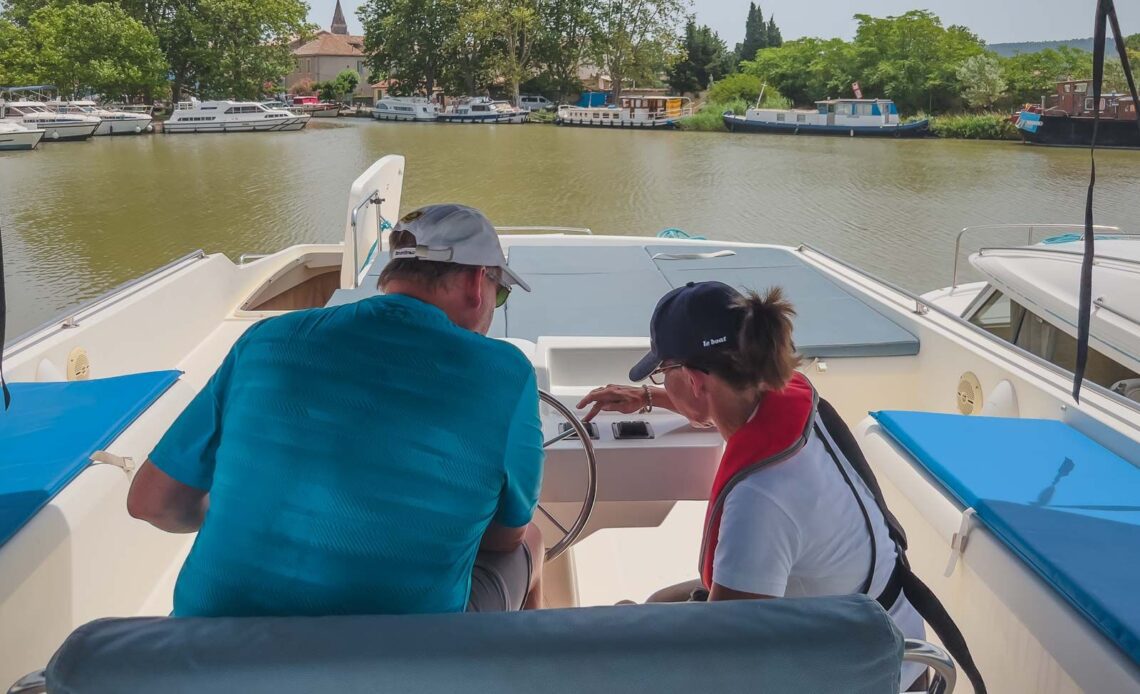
pixel 758 544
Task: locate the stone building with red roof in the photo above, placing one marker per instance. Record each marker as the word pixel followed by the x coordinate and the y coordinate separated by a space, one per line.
pixel 327 55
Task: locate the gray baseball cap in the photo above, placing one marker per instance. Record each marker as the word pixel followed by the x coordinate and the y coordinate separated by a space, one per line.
pixel 451 233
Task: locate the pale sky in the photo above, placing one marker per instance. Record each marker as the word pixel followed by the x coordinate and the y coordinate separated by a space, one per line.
pixel 996 21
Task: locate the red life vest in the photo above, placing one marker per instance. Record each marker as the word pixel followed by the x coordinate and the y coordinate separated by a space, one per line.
pixel 780 428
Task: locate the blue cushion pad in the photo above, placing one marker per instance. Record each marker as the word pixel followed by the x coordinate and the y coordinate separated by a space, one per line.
pixel 1065 504
pixel 49 433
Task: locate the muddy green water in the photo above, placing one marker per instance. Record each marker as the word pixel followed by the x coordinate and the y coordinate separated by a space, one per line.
pixel 80 218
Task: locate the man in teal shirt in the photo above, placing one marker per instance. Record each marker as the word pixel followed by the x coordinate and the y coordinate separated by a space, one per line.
pixel 378 457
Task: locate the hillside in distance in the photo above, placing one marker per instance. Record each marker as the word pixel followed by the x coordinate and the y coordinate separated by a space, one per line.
pixel 1008 49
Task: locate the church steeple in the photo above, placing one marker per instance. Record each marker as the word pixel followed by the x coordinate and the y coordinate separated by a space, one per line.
pixel 339 26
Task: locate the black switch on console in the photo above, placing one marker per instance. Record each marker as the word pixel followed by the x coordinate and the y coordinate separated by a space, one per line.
pixel 591 429
pixel 632 430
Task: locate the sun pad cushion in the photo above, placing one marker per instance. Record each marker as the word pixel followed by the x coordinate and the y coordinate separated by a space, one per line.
pixel 48 434
pixel 1069 507
pixel 794 645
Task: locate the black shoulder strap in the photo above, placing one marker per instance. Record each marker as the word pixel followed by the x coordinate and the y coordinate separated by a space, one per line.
pixel 903 579
pixel 4 395
pixel 843 438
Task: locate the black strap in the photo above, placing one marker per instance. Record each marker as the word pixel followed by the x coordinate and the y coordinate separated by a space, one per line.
pixel 1105 16
pixel 902 578
pixel 866 589
pixel 930 607
pixel 3 321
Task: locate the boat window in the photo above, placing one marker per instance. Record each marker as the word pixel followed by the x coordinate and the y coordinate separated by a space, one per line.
pixel 1012 322
pixel 1068 88
pixel 780 117
pixel 801 118
pixel 1081 87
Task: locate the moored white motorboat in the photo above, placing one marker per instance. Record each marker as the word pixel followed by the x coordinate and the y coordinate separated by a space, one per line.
pixel 869 346
pixel 516 114
pixel 231 117
pixel 405 108
pixel 56 126
pixel 17 136
pixel 113 122
pixel 476 109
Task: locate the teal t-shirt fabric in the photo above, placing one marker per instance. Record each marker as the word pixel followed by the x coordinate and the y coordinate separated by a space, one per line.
pixel 354 457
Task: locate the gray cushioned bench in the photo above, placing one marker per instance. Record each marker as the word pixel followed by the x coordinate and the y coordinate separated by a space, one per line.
pixel 843 644
pixel 610 291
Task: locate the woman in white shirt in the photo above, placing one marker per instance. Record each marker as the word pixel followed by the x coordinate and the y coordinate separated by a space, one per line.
pixel 794 509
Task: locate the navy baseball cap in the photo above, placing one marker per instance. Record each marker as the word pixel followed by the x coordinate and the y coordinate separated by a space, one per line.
pixel 691 321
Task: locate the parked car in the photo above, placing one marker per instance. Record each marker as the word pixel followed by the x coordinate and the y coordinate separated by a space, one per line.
pixel 530 102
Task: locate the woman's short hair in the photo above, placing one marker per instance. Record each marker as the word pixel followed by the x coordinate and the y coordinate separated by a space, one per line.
pixel 765 355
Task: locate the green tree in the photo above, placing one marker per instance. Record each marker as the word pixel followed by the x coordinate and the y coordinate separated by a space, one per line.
pixel 239 46
pixel 806 70
pixel 775 39
pixel 738 86
pixel 94 49
pixel 17 60
pixel 1033 76
pixel 345 84
pixel 510 28
pixel 755 34
pixel 569 27
pixel 706 58
pixel 981 80
pixel 404 40
pixel 912 59
pixel 636 39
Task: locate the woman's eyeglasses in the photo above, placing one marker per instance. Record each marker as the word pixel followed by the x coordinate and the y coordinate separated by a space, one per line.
pixel 657 376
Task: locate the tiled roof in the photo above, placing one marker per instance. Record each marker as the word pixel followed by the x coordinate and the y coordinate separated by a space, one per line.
pixel 332 44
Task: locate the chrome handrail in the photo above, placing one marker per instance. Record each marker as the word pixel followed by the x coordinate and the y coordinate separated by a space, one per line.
pixel 374 199
pixel 99 303
pixel 1028 229
pixel 585 231
pixel 935 658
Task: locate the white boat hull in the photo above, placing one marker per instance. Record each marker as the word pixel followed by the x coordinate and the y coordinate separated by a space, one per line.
pixel 401 117
pixel 123 126
pixel 20 139
pixel 68 132
pixel 276 125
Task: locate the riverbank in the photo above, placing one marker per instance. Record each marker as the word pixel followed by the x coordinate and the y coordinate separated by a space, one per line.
pixel 961 126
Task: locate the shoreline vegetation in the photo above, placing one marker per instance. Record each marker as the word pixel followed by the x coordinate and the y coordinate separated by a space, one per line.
pixel 124 50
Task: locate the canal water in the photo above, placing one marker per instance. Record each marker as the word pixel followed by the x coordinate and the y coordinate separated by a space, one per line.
pixel 80 218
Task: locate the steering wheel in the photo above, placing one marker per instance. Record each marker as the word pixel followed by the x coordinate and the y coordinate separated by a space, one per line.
pixel 570 535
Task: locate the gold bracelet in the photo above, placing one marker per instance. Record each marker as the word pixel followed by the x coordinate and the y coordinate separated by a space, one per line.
pixel 648 399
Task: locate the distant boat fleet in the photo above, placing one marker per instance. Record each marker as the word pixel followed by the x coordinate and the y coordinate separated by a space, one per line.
pixel 475 109
pixel 24 124
pixel 1066 120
